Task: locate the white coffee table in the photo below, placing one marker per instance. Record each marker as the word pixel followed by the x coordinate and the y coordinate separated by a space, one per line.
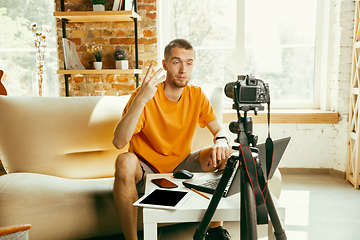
pixel 193 209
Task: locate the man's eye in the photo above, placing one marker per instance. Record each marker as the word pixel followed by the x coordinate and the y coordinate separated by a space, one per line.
pixel 190 63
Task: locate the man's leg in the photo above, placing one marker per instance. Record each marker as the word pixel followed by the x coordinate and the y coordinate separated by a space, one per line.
pixel 128 173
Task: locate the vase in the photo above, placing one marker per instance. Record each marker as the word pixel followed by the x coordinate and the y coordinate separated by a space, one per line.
pixel 97 65
pixel 122 64
pixel 98 7
pixel 39 84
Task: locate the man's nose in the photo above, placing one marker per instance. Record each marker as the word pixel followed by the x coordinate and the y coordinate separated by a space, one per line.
pixel 182 68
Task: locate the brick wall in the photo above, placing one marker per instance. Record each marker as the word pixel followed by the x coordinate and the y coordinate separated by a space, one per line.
pixel 109 35
pixel 343 29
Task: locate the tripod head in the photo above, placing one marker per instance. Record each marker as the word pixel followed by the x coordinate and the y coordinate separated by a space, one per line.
pixel 244 123
pixel 248 93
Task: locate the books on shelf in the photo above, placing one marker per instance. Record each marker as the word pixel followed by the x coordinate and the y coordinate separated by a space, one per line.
pixel 120 5
pixel 117 5
pixel 72 61
pixel 128 5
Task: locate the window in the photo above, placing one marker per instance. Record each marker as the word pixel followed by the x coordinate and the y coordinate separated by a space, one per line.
pixel 278 41
pixel 17 50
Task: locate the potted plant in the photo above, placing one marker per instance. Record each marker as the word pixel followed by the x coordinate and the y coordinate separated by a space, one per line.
pixel 121 56
pixel 98 53
pixel 98 5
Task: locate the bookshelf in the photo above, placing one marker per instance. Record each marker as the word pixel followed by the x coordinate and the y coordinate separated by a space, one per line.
pixel 100 16
pixel 102 71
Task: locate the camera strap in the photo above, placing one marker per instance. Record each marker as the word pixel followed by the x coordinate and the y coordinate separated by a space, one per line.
pixel 269 148
pixel 252 172
pixel 255 173
pixel 269 154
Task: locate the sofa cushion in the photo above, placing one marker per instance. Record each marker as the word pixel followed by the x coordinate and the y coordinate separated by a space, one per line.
pixel 65 137
pixel 59 208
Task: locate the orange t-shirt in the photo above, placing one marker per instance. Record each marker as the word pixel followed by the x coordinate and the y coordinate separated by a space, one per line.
pixel 163 135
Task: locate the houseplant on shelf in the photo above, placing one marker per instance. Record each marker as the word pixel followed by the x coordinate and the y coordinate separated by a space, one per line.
pixel 121 56
pixel 99 5
pixel 98 53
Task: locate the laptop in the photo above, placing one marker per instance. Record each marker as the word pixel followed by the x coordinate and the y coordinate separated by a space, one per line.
pixel 208 182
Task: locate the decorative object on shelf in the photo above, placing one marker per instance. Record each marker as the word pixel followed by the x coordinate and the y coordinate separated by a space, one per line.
pixel 98 65
pixel 98 53
pixel 72 61
pixel 121 56
pixel 99 5
pixel 117 5
pixel 41 55
pixel 129 5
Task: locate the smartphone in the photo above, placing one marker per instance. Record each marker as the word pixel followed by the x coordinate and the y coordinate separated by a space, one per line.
pixel 164 183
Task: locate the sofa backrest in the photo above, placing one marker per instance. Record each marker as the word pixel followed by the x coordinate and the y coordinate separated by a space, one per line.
pixel 69 136
pixel 66 137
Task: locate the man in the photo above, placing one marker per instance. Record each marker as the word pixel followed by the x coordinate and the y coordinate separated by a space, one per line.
pixel 159 122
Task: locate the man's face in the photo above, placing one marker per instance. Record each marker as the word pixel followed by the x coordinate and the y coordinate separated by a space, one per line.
pixel 179 66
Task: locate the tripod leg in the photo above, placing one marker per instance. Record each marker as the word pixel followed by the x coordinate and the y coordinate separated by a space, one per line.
pixel 275 220
pixel 248 211
pixel 200 232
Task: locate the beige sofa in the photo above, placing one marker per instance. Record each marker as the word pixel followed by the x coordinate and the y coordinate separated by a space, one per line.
pixel 59 158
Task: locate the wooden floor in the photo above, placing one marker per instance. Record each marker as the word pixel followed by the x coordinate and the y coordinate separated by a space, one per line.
pixel 318 206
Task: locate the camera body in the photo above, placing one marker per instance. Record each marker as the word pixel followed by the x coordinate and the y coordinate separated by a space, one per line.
pixel 248 90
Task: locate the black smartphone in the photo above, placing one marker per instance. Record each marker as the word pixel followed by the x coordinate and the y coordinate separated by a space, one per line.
pixel 164 183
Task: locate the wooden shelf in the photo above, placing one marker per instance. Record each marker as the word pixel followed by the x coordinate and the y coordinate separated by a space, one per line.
pixel 289 117
pixel 97 16
pixel 101 71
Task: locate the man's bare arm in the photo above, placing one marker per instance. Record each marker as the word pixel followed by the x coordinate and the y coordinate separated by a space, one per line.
pixel 126 126
pixel 220 151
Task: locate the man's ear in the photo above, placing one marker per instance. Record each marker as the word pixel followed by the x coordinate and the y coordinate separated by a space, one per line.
pixel 164 64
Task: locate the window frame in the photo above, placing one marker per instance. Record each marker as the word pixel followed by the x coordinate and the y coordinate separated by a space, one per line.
pixel 323 52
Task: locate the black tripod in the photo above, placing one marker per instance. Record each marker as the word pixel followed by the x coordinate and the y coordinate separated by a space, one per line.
pixel 253 210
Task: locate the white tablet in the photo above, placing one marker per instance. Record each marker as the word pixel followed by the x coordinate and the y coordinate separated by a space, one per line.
pixel 163 199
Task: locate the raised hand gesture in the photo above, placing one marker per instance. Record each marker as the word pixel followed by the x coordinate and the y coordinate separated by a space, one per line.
pixel 149 84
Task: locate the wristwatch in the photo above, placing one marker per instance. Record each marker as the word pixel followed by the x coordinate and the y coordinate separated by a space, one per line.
pixel 222 137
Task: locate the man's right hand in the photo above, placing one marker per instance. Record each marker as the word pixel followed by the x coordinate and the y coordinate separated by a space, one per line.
pixel 125 128
pixel 149 85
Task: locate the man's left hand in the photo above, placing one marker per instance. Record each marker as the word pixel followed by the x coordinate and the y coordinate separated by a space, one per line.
pixel 219 152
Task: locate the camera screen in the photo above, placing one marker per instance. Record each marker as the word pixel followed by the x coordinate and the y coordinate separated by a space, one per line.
pixel 248 94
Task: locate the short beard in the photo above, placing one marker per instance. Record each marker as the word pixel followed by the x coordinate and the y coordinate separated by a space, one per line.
pixel 180 84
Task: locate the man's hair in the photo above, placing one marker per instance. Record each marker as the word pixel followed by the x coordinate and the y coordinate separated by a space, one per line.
pixel 180 43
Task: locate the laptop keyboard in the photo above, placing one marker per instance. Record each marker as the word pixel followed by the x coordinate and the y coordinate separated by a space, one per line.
pixel 213 183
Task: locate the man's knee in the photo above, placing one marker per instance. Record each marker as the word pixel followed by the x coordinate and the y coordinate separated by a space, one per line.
pixel 126 164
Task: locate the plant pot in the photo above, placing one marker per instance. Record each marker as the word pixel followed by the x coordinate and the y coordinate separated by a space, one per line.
pixel 122 64
pixel 98 65
pixel 98 7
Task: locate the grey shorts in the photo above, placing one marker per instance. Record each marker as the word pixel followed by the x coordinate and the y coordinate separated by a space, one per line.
pixel 190 163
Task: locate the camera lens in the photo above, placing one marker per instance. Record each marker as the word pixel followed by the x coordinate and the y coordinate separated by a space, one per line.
pixel 234 127
pixel 229 89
